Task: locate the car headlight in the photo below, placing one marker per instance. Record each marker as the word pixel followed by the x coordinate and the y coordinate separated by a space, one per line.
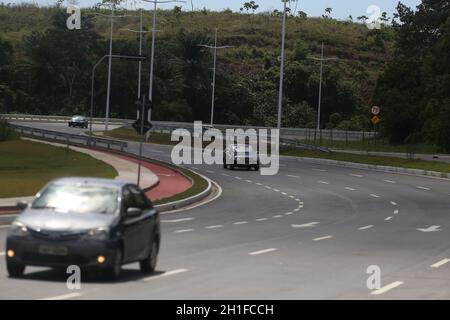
pixel 19 229
pixel 101 233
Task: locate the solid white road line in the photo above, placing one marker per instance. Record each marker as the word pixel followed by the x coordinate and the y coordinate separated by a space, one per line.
pixel 388 218
pixel 356 175
pixel 389 181
pixel 177 220
pixel 387 288
pixel 65 296
pixel 240 222
pixel 255 253
pixel 366 227
pixel 423 188
pixel 374 195
pixel 262 219
pixel 215 227
pixel 323 182
pixel 292 176
pixel 165 274
pixel 350 189
pixel 184 230
pixel 393 203
pixel 322 238
pixel 440 263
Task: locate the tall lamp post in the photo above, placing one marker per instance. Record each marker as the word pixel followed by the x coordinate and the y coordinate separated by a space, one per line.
pixel 215 47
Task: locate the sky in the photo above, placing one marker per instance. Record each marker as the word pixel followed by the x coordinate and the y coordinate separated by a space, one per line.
pixel 341 8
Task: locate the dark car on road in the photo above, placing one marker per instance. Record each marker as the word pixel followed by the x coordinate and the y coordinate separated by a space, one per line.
pixel 86 222
pixel 79 121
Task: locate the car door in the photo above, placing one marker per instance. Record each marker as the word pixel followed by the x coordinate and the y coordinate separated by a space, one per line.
pixel 147 221
pixel 130 227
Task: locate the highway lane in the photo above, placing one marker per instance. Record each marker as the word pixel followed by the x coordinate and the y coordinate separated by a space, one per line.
pixel 309 232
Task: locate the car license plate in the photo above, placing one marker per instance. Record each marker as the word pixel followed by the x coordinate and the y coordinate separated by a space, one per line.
pixel 53 250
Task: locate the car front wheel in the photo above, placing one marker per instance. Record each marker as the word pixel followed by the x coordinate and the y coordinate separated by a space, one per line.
pixel 148 265
pixel 113 272
pixel 15 270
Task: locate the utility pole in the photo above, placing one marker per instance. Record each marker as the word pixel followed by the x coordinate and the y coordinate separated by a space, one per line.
pixel 152 55
pixel 215 47
pixel 108 94
pixel 321 59
pixel 283 44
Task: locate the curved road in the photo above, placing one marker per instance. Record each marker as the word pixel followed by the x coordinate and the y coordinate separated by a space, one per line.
pixel 309 232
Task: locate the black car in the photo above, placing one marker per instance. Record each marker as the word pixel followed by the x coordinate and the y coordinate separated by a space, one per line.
pixel 87 222
pixel 79 121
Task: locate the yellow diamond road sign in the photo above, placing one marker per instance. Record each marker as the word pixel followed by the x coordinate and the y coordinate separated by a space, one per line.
pixel 376 120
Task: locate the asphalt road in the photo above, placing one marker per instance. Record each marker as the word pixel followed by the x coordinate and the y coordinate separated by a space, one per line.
pixel 309 232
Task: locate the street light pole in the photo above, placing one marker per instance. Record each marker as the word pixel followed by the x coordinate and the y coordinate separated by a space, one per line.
pixel 215 47
pixel 108 94
pixel 283 41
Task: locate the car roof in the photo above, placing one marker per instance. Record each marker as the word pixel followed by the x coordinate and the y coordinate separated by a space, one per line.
pixel 91 181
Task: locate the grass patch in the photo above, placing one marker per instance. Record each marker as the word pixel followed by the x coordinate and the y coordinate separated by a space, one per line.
pixel 378 145
pixel 26 166
pixel 372 160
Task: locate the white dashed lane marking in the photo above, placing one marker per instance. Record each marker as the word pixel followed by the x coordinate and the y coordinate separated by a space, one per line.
pixel 177 220
pixel 288 213
pixel 240 222
pixel 65 296
pixel 440 263
pixel 277 216
pixel 165 274
pixel 184 230
pixel 395 211
pixel 322 238
pixel 366 227
pixel 350 189
pixel 323 182
pixel 389 181
pixel 388 218
pixel 292 176
pixel 387 288
pixel 423 188
pixel 262 219
pixel 215 227
pixel 356 175
pixel 393 203
pixel 255 253
pixel 319 170
pixel 374 195
pixel 225 175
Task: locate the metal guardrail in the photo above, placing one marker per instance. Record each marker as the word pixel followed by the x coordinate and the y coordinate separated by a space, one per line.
pixel 69 139
pixel 168 127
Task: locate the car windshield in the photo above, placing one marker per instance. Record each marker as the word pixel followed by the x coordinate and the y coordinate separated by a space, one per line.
pixel 78 198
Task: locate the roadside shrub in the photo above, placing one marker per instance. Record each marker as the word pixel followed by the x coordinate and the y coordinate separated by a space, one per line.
pixel 6 132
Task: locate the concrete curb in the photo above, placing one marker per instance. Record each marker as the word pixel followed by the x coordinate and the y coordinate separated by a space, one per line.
pixel 389 169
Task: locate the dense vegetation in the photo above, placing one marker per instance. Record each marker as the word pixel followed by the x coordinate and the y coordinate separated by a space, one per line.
pixel 415 88
pixel 46 68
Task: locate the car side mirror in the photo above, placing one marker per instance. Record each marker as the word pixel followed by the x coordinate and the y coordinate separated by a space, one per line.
pixel 133 212
pixel 22 205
